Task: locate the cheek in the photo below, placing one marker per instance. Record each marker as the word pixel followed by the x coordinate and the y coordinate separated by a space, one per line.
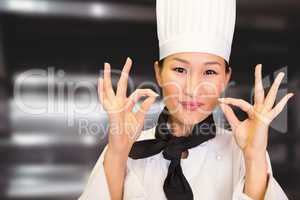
pixel 209 89
pixel 209 92
pixel 171 91
pixel 172 85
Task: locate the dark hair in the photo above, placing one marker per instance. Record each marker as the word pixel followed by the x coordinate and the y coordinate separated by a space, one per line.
pixel 227 67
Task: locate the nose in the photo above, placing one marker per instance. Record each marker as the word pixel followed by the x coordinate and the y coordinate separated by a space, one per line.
pixel 192 85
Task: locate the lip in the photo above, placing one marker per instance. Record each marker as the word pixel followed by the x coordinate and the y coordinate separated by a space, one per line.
pixel 191 105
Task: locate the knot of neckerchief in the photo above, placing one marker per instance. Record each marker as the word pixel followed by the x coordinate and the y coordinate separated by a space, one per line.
pixel 176 187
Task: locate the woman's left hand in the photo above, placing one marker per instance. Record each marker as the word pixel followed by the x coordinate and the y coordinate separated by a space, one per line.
pixel 251 135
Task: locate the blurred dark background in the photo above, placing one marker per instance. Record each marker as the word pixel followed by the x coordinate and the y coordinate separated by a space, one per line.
pixel 48 146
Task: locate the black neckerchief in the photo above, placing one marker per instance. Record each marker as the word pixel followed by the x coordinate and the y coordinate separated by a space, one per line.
pixel 176 187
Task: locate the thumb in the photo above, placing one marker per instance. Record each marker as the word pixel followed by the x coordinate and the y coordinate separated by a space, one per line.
pixel 230 115
pixel 145 106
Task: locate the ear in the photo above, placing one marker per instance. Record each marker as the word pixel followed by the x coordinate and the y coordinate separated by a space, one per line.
pixel 157 70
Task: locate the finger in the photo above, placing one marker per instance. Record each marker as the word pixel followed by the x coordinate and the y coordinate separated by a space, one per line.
pixel 147 103
pixel 123 82
pixel 271 96
pixel 101 94
pixel 242 104
pixel 280 105
pixel 230 115
pixel 259 93
pixel 107 81
pixel 136 95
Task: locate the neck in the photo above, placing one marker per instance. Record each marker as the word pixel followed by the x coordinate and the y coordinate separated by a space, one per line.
pixel 179 129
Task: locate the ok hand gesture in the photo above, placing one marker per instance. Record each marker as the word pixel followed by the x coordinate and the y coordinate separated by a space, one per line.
pixel 251 135
pixel 125 125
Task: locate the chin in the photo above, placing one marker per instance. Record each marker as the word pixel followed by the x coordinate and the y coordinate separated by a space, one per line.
pixel 191 117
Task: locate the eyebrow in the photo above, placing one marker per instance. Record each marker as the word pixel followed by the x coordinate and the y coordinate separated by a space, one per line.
pixel 206 63
pixel 212 63
pixel 181 60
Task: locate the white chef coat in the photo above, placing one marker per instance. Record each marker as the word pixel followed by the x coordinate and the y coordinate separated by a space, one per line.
pixel 214 169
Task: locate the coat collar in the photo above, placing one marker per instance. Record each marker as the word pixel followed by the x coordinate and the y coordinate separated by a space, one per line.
pixel 218 144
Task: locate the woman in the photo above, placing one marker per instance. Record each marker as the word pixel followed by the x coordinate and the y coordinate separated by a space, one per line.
pixel 186 156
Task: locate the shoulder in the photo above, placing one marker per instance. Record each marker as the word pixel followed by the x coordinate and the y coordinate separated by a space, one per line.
pixel 224 142
pixel 223 137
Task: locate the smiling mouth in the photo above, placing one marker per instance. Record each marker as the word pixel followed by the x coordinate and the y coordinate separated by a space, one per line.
pixel 191 105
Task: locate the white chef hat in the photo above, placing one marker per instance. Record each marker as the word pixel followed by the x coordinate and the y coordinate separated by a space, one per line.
pixel 195 26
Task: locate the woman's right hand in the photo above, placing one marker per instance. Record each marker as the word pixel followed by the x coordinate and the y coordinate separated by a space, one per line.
pixel 125 126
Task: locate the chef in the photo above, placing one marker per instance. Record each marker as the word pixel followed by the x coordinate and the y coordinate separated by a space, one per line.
pixel 187 155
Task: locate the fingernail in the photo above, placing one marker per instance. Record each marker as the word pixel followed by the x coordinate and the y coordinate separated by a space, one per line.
pixel 221 99
pixel 281 74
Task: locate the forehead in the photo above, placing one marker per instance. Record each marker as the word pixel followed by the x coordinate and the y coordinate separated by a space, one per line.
pixel 196 58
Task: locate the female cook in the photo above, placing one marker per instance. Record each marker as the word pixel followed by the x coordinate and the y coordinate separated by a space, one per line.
pixel 186 155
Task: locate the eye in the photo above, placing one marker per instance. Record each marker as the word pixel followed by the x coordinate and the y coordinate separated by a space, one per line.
pixel 210 72
pixel 180 70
